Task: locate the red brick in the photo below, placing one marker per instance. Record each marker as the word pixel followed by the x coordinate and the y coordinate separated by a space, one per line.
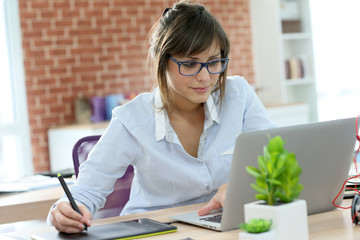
pixel 58 71
pixel 108 58
pixel 36 73
pixel 63 23
pixel 41 42
pixel 67 13
pixel 84 32
pixel 88 78
pixel 48 14
pixel 40 4
pixel 80 88
pixel 85 40
pixel 86 50
pixel 31 34
pixel 101 4
pixel 55 33
pixel 40 24
pixel 61 4
pixel 81 4
pixel 103 22
pixel 28 15
pixel 93 13
pixel 86 69
pixel 87 59
pixel 107 39
pixel 64 42
pixel 84 23
pixel 116 12
pixel 41 62
pixel 65 61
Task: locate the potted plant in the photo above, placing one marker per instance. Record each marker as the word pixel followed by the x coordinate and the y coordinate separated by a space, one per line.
pixel 277 186
pixel 257 229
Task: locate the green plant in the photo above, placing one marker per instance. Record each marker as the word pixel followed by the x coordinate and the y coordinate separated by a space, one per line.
pixel 277 178
pixel 256 225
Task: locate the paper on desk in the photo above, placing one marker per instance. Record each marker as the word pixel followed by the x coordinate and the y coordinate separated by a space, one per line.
pixel 28 183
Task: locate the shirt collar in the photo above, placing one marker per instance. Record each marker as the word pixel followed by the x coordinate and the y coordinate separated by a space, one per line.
pixel 160 115
pixel 211 108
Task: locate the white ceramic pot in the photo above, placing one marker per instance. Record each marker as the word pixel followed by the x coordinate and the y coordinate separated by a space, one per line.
pixel 270 235
pixel 289 220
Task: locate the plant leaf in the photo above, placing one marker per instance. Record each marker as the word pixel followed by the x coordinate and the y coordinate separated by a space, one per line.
pixel 276 144
pixel 274 181
pixel 258 189
pixel 260 181
pixel 269 167
pixel 262 164
pixel 261 197
pixel 253 171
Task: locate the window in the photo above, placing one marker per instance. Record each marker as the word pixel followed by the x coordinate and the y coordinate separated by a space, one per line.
pixel 15 151
pixel 337 50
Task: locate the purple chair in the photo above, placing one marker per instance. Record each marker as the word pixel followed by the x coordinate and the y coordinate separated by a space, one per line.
pixel 116 201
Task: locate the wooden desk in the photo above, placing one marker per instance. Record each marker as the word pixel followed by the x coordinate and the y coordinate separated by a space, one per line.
pixel 29 205
pixel 329 225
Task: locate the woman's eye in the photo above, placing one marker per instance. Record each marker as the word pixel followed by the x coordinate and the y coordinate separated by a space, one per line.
pixel 214 63
pixel 189 64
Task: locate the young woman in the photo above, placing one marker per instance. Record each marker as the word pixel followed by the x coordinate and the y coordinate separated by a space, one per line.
pixel 179 137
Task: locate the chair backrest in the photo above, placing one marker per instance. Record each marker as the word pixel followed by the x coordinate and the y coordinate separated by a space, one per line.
pixel 116 201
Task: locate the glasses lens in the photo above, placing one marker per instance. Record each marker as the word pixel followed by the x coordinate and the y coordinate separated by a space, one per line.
pixel 216 66
pixel 189 68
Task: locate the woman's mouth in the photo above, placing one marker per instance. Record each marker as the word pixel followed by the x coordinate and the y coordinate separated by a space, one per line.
pixel 201 89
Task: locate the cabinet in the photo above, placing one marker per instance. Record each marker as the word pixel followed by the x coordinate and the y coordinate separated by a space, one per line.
pixel 283 53
pixel 287 115
pixel 62 140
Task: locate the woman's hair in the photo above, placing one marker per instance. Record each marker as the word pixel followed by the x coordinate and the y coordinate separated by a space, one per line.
pixel 186 29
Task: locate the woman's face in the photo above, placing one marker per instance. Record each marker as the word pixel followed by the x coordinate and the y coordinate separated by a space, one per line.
pixel 190 91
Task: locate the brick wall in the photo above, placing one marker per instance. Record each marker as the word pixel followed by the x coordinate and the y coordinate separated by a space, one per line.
pixel 83 48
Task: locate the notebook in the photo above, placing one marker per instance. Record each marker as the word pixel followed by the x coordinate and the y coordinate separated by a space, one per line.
pixel 324 151
pixel 133 229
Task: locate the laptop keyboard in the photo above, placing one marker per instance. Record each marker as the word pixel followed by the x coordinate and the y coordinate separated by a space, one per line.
pixel 215 218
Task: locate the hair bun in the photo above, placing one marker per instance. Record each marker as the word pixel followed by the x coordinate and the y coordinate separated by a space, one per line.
pixel 165 11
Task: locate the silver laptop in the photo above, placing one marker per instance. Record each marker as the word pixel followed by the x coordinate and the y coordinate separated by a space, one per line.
pixel 324 151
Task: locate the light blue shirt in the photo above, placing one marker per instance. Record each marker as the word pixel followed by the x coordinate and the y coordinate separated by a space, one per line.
pixel 165 174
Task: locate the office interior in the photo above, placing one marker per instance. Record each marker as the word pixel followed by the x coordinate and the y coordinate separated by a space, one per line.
pixel 61 51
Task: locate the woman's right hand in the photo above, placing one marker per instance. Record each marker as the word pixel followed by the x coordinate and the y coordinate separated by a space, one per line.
pixel 66 219
pixel 216 202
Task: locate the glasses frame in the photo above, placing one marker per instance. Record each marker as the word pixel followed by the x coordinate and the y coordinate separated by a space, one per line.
pixel 206 64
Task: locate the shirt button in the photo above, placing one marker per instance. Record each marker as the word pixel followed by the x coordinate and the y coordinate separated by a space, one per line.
pixel 200 163
pixel 208 188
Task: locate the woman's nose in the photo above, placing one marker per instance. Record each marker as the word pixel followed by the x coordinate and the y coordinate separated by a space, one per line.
pixel 203 75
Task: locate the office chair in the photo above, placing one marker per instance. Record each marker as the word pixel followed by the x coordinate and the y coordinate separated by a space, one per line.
pixel 116 201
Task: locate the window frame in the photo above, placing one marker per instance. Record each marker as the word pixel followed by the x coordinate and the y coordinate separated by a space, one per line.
pixel 20 127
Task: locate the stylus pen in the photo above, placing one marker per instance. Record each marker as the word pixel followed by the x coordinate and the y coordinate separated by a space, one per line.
pixel 70 197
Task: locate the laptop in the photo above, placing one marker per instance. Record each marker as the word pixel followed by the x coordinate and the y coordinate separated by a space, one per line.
pixel 324 150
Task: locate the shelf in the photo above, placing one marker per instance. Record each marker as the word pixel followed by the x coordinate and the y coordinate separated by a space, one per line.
pixel 296 36
pixel 298 81
pixel 275 43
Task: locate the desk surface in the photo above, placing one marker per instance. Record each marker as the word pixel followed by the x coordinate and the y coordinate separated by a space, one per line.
pixel 329 225
pixel 29 205
pixel 35 205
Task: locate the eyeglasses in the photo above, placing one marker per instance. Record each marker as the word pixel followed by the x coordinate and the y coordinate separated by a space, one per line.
pixel 191 68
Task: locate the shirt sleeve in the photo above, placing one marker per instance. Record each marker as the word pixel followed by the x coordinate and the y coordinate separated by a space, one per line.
pixel 105 164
